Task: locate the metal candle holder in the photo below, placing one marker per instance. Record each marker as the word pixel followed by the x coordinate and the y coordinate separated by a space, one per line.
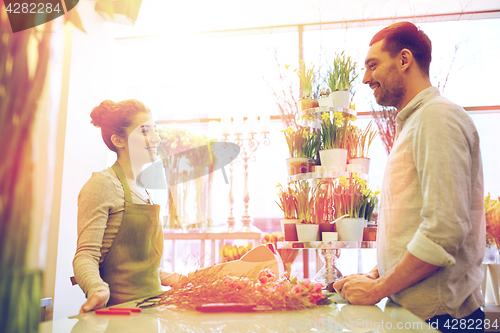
pixel 248 146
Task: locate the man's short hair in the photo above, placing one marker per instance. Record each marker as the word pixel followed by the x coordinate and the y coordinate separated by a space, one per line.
pixel 405 35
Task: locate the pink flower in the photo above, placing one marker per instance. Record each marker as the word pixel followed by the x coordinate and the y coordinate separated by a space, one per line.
pixel 306 283
pixel 316 288
pixel 266 275
pixel 297 289
pixel 229 280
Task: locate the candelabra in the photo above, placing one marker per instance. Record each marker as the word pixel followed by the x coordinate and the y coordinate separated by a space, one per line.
pixel 248 146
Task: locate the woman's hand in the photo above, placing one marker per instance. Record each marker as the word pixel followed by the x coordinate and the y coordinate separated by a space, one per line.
pixel 170 279
pixel 97 300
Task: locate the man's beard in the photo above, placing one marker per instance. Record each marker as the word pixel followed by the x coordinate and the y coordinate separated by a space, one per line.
pixel 393 91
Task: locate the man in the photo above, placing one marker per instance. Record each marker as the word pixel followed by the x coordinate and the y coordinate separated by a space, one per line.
pixel 431 235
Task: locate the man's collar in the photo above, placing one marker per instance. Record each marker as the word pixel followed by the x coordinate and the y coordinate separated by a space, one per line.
pixel 415 104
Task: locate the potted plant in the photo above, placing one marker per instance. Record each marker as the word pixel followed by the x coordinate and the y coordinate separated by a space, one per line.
pixel 334 134
pixel 359 143
pixel 322 207
pixel 303 144
pixel 351 196
pixel 288 204
pixel 304 193
pixel 340 79
pixel 306 76
pixel 492 216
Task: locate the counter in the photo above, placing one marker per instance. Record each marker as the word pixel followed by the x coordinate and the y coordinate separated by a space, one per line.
pixel 383 317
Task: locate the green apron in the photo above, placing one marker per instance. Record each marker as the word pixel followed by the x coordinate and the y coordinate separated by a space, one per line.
pixel 131 265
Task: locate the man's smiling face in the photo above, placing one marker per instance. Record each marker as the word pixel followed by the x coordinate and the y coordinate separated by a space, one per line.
pixel 383 76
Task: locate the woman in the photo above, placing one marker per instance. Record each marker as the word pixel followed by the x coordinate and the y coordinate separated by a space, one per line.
pixel 120 240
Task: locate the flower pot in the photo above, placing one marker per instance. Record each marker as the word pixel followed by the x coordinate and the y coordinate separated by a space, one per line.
pixel 326 227
pixel 297 165
pixel 308 103
pixel 334 159
pixel 340 98
pixel 370 234
pixel 329 236
pixel 289 229
pixel 351 229
pixel 325 101
pixel 307 232
pixel 363 162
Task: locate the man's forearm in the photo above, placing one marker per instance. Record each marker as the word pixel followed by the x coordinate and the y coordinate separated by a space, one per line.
pixel 408 271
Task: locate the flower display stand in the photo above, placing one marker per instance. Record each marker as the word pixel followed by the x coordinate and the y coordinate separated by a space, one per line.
pixel 330 252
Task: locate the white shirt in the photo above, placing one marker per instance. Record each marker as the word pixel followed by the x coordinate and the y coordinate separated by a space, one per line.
pixel 432 205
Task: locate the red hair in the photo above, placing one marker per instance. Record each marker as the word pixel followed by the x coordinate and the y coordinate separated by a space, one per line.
pixel 114 118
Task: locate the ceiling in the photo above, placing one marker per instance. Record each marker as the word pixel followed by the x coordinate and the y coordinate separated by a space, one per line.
pixel 159 17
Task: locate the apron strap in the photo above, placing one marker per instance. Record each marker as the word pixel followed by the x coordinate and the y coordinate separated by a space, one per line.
pixel 121 176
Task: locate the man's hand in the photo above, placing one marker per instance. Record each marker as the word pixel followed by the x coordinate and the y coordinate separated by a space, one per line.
pixel 97 300
pixel 360 289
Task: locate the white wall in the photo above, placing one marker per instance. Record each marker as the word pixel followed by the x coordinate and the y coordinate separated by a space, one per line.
pixel 84 151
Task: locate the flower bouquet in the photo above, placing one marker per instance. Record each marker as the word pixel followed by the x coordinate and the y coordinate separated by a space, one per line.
pixel 188 201
pixel 265 291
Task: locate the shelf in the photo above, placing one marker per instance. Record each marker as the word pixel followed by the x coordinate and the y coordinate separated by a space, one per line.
pixel 312 117
pixel 327 245
pixel 324 175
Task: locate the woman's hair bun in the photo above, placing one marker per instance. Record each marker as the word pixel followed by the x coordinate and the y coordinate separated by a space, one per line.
pixel 100 113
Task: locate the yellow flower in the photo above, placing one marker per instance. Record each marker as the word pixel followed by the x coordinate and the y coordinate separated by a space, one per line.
pixel 376 193
pixel 325 116
pixel 287 66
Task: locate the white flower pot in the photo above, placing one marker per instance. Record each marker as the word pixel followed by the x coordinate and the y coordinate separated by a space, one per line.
pixel 329 236
pixel 325 101
pixel 333 159
pixel 361 163
pixel 340 98
pixel 351 229
pixel 307 232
